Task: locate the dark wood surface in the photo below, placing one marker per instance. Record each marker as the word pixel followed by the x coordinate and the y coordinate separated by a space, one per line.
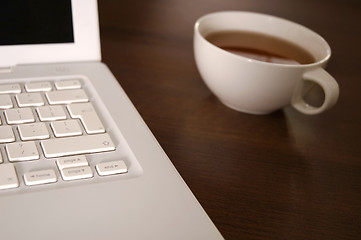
pixel 278 176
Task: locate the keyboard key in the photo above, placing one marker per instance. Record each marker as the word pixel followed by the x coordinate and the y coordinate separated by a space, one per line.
pixel 40 177
pixel 38 87
pixel 6 134
pixel 30 110
pixel 73 161
pixel 60 147
pixel 51 113
pixel 76 173
pixel 66 96
pixel 111 168
pixel 22 151
pixel 87 115
pixel 10 88
pixel 19 115
pixel 29 99
pixel 68 84
pixel 5 102
pixel 33 131
pixel 8 176
pixel 66 128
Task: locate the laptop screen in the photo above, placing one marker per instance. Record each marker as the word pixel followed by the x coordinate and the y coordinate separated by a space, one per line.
pixel 48 31
pixel 35 22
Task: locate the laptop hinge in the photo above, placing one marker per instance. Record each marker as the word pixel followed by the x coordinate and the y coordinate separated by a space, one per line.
pixel 5 69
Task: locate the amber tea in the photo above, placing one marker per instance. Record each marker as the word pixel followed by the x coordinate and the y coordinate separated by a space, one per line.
pixel 261 47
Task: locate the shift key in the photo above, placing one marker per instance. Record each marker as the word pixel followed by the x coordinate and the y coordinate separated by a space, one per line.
pixel 59 147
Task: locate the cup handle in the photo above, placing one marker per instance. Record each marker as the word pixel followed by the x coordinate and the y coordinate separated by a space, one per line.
pixel 327 83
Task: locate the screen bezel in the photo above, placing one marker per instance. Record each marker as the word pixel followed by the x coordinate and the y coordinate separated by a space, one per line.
pixel 86 46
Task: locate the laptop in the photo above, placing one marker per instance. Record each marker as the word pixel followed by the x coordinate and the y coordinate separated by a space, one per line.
pixel 76 159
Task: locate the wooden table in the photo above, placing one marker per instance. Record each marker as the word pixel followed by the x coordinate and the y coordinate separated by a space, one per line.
pixel 278 176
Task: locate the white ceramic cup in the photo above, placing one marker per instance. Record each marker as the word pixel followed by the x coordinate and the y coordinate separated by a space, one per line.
pixel 258 87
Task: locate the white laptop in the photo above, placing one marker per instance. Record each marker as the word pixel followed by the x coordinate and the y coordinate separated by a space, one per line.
pixel 77 161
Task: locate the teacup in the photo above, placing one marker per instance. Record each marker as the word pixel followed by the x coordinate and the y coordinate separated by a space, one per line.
pixel 257 63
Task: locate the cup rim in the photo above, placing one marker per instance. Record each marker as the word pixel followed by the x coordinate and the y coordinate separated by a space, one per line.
pixel 316 63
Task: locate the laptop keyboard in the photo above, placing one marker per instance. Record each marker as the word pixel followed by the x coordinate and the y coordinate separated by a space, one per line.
pixel 51 132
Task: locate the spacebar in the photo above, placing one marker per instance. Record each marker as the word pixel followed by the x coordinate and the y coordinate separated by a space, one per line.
pixel 59 147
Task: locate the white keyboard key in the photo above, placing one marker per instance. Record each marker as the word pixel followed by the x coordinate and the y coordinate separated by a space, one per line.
pixel 6 134
pixel 66 96
pixel 19 115
pixel 8 176
pixel 111 168
pixel 40 177
pixel 76 173
pixel 51 113
pixel 68 84
pixel 22 151
pixel 5 102
pixel 38 87
pixel 66 128
pixel 87 115
pixel 73 161
pixel 60 147
pixel 29 99
pixel 10 88
pixel 33 131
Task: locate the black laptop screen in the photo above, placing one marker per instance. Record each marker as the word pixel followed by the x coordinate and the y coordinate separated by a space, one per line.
pixel 35 22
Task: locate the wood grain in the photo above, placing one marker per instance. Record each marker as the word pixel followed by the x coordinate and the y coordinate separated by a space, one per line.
pixel 278 176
